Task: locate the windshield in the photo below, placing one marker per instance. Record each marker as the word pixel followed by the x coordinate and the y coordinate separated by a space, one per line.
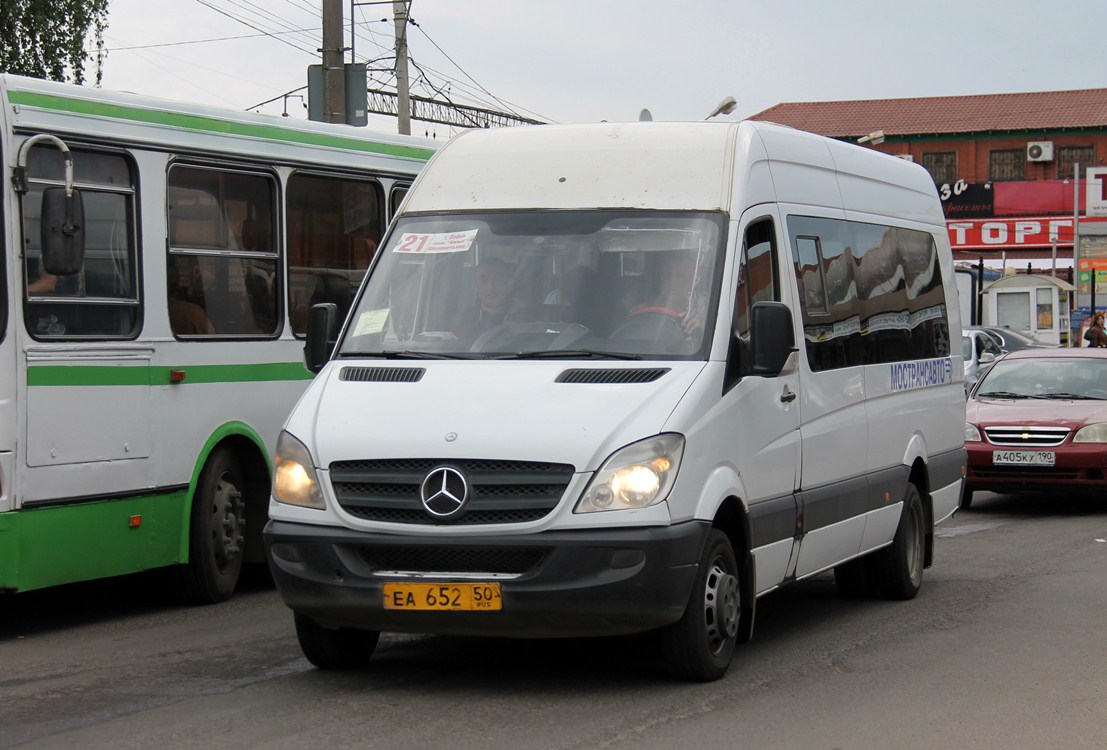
pixel 549 284
pixel 1054 377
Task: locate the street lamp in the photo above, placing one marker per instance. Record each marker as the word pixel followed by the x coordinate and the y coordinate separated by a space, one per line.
pixel 726 106
pixel 875 138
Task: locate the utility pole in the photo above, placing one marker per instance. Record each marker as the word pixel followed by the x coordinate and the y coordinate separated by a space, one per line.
pixel 334 71
pixel 403 105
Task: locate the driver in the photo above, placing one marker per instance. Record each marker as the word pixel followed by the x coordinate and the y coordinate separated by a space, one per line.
pixel 675 293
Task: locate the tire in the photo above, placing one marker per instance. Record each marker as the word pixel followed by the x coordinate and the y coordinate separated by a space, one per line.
pixel 342 648
pixel 216 537
pixel 857 579
pixel 699 646
pixel 966 500
pixel 899 568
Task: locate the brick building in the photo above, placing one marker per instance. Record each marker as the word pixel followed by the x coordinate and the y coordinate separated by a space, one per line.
pixel 1003 163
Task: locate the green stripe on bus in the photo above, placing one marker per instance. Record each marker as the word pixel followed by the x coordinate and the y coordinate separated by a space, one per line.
pixel 112 375
pixel 203 123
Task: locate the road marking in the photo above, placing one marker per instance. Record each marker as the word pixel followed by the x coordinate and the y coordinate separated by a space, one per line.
pixel 965 528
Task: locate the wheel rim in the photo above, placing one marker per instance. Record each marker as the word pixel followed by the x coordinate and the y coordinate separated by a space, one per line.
pixel 721 606
pixel 914 541
pixel 228 521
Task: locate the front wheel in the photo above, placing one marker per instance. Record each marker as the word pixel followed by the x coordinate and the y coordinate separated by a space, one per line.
pixel 966 499
pixel 341 648
pixel 899 568
pixel 700 645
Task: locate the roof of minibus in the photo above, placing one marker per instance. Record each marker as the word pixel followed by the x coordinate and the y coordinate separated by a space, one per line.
pixel 47 106
pixel 668 165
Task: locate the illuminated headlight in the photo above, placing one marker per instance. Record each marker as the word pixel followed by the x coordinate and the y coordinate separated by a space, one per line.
pixel 972 435
pixel 295 482
pixel 1093 433
pixel 639 475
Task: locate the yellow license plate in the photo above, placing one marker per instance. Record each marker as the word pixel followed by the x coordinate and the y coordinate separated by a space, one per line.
pixel 443 597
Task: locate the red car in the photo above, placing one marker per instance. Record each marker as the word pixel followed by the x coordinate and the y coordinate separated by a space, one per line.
pixel 1037 420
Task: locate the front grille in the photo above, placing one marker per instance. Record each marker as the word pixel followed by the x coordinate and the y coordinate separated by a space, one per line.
pixel 1037 474
pixel 1032 436
pixel 387 490
pixel 452 559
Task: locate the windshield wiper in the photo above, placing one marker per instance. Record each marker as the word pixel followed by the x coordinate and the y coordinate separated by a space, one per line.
pixel 407 354
pixel 1001 394
pixel 1065 396
pixel 569 354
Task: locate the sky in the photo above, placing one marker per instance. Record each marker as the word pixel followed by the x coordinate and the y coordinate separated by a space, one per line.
pixel 573 61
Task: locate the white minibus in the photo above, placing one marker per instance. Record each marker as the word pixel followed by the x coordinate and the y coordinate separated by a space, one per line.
pixel 614 378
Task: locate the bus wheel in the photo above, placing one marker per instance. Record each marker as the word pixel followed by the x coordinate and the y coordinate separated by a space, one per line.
pixel 899 568
pixel 342 648
pixel 966 500
pixel 700 645
pixel 217 532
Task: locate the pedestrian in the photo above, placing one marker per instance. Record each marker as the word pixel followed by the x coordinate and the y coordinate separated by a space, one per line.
pixel 1096 336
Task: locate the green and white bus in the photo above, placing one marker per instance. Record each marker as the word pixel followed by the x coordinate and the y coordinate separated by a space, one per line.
pixel 159 261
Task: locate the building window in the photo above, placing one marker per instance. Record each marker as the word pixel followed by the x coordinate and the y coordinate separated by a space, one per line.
pixel 942 166
pixel 1067 156
pixel 1007 164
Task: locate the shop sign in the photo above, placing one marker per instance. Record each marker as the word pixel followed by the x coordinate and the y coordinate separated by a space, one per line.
pixel 1095 194
pixel 1016 233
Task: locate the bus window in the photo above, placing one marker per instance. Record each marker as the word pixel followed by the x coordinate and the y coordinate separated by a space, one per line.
pixel 101 299
pixel 222 266
pixel 334 225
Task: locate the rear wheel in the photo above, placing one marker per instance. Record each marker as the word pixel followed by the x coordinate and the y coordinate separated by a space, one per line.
pixel 899 568
pixel 700 645
pixel 341 648
pixel 216 539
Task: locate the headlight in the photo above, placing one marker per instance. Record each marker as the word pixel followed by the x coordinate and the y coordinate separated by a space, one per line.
pixel 1092 433
pixel 639 475
pixel 295 482
pixel 972 435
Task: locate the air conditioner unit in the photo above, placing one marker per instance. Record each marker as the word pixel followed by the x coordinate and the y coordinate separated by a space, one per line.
pixel 905 157
pixel 1039 151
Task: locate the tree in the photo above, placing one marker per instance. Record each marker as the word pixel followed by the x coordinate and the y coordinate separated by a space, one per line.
pixel 50 38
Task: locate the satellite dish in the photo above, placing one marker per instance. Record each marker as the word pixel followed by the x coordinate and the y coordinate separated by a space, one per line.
pixel 645 116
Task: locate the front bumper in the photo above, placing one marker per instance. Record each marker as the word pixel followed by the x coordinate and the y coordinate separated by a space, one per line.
pixel 564 583
pixel 1080 467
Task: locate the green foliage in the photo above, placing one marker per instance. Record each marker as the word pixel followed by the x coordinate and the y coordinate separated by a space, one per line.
pixel 47 38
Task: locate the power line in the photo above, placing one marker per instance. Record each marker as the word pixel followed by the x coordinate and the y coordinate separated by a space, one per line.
pixel 202 41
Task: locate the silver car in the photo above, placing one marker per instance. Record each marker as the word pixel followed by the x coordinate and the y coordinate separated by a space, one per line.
pixel 978 349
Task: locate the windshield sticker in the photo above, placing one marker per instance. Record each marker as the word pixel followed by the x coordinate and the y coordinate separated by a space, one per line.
pixel 442 242
pixel 908 375
pixel 371 322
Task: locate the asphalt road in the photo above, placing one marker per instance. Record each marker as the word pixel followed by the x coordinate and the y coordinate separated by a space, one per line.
pixel 1005 647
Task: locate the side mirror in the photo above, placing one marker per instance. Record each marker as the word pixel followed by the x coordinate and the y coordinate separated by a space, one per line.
pixel 987 358
pixel 772 339
pixel 63 231
pixel 322 328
